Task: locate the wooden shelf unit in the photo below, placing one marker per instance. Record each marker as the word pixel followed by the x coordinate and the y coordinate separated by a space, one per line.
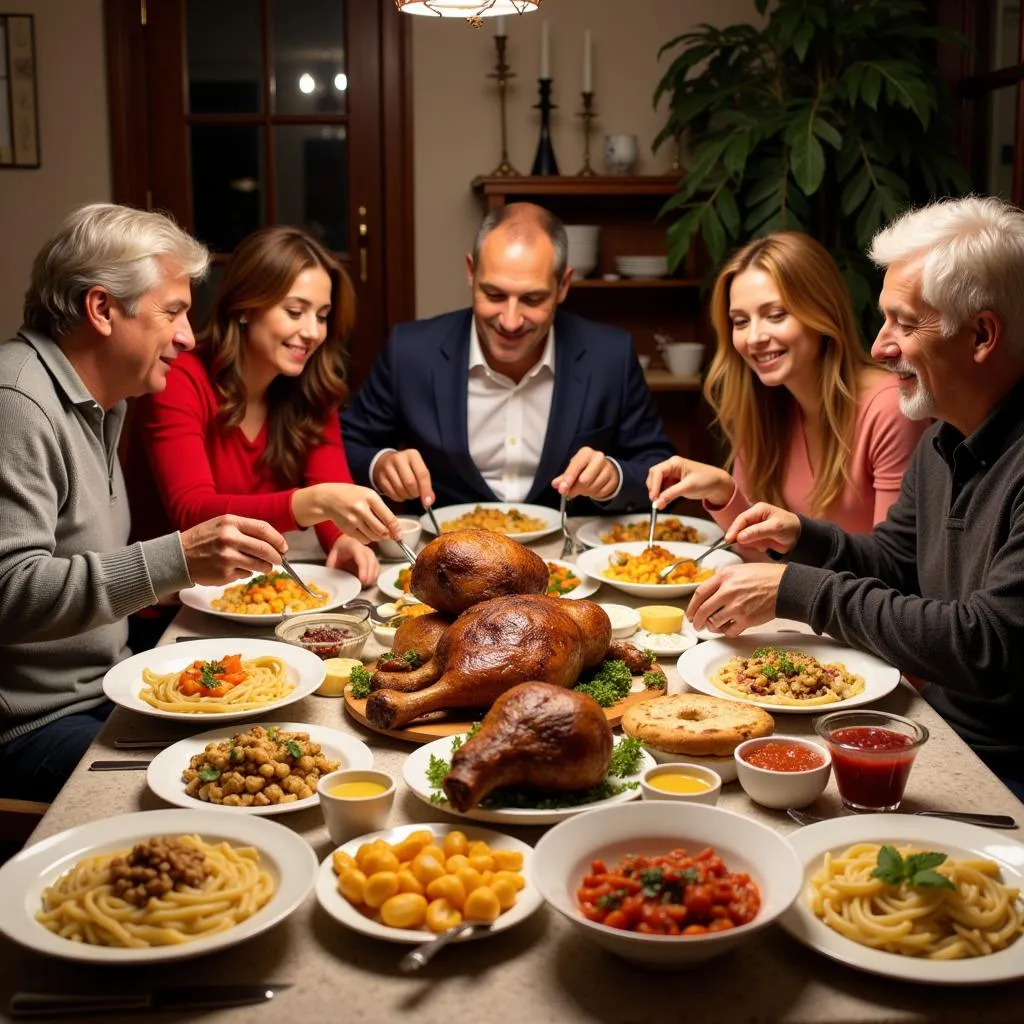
pixel 626 210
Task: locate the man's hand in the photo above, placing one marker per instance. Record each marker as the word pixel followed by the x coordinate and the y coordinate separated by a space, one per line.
pixel 590 473
pixel 736 598
pixel 347 553
pixel 402 476
pixel 230 548
pixel 766 528
pixel 682 478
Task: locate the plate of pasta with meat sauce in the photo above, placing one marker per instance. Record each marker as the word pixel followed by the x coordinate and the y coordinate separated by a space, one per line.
pixel 267 598
pixel 786 673
pixel 254 769
pixel 153 886
pixel 220 678
pixel 915 898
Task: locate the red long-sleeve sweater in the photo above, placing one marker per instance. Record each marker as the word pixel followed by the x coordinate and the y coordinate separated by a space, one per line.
pixel 183 469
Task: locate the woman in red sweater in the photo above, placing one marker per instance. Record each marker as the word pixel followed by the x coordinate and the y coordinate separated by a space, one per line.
pixel 248 422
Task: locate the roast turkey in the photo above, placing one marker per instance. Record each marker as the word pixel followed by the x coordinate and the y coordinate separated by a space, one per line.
pixel 420 636
pixel 460 569
pixel 538 736
pixel 493 647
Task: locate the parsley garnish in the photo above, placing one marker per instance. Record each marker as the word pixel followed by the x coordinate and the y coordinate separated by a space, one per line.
pixel 650 656
pixel 654 681
pixel 273 732
pixel 360 682
pixel 916 869
pixel 612 681
pixel 207 675
pixel 412 659
pixel 208 773
pixel 651 881
pixel 293 748
pixel 626 758
pixel 612 900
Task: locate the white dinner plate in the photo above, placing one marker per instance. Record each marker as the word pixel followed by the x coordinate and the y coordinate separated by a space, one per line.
pixel 387 581
pixel 414 771
pixel 287 856
pixel 590 533
pixel 339 586
pixel 528 899
pixel 123 683
pixel 549 516
pixel 954 838
pixel 699 665
pixel 164 772
pixel 595 561
pixel 586 585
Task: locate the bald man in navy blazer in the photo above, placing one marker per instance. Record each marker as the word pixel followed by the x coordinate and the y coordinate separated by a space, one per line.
pixel 513 400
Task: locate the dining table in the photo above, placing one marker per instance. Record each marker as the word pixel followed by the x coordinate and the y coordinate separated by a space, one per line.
pixel 541 970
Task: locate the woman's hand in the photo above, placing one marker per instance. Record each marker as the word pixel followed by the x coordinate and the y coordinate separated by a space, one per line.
pixel 766 528
pixel 359 511
pixel 355 558
pixel 682 478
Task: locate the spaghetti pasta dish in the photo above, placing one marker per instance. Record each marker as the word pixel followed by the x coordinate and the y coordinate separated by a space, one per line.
pixel 162 892
pixel 272 594
pixel 916 904
pixel 777 676
pixel 668 528
pixel 495 520
pixel 214 687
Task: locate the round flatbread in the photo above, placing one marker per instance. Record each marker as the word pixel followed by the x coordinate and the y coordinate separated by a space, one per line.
pixel 692 723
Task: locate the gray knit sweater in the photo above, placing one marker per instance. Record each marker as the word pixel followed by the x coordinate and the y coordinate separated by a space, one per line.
pixel 68 577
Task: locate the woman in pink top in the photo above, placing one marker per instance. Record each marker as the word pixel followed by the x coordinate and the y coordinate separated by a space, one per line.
pixel 812 424
pixel 248 423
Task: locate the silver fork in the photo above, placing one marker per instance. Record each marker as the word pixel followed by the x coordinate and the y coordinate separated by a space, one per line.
pixel 664 574
pixel 568 544
pixel 286 565
pixel 971 817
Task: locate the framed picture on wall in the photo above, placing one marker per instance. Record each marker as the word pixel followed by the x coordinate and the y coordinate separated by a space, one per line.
pixel 19 115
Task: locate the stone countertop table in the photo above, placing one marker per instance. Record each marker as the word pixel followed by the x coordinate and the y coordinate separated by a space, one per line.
pixel 540 971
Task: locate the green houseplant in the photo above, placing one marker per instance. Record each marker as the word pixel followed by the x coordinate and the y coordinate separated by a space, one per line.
pixel 826 119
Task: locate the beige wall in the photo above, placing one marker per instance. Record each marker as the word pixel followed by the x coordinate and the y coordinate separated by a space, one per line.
pixel 74 140
pixel 457 134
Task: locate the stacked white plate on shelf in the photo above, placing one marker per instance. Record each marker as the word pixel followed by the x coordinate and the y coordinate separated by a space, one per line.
pixel 642 266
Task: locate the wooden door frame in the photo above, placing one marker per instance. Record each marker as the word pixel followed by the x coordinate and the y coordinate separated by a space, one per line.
pixel 133 164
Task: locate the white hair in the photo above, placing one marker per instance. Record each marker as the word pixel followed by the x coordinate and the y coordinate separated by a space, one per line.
pixel 972 256
pixel 115 247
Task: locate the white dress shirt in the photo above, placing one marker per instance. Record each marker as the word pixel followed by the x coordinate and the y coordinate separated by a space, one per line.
pixel 507 422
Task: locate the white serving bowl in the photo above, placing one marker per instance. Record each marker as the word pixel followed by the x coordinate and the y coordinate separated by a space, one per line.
pixel 595 561
pixel 642 266
pixel 707 796
pixel 562 858
pixel 780 789
pixel 625 620
pixel 411 531
pixel 582 247
pixel 683 358
pixel 724 767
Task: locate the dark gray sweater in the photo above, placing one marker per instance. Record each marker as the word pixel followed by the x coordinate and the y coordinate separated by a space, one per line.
pixel 68 576
pixel 938 588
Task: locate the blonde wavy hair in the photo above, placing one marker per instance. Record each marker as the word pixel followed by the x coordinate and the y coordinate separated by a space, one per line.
pixel 258 276
pixel 756 419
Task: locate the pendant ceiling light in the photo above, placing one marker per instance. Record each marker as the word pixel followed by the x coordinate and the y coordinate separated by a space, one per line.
pixel 474 11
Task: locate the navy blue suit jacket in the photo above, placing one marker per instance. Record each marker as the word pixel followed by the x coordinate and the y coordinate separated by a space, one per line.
pixel 416 397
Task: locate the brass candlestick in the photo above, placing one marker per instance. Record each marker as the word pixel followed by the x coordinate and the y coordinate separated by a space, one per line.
pixel 588 114
pixel 502 74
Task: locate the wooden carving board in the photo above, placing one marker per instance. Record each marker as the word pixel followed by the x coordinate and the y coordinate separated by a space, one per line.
pixel 425 731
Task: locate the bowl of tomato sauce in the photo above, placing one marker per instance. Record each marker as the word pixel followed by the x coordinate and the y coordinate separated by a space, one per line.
pixel 872 754
pixel 782 771
pixel 666 885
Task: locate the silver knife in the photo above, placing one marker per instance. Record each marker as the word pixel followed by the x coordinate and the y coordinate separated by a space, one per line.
pixel 117 766
pixel 178 997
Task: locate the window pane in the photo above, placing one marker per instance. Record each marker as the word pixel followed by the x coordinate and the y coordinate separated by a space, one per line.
pixel 309 56
pixel 998 33
pixel 224 56
pixel 312 181
pixel 1001 110
pixel 227 183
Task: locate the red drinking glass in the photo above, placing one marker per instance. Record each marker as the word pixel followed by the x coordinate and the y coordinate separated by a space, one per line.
pixel 872 754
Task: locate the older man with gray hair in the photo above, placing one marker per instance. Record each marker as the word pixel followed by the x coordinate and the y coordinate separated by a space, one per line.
pixel 938 588
pixel 105 316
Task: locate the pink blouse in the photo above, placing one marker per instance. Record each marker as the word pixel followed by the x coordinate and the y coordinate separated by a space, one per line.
pixel 883 441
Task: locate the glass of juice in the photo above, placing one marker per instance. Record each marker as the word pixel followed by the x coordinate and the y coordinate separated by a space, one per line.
pixel 872 754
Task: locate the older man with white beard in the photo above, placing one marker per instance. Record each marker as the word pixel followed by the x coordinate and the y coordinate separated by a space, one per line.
pixel 938 588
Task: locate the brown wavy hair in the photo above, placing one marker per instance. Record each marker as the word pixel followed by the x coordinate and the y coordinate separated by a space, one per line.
pixel 259 275
pixel 756 418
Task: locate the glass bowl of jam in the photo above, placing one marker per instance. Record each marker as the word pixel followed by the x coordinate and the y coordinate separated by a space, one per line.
pixel 328 634
pixel 782 771
pixel 872 754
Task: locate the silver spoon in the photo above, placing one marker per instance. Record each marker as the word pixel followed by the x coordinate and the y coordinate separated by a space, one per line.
pixel 664 574
pixel 426 951
pixel 970 817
